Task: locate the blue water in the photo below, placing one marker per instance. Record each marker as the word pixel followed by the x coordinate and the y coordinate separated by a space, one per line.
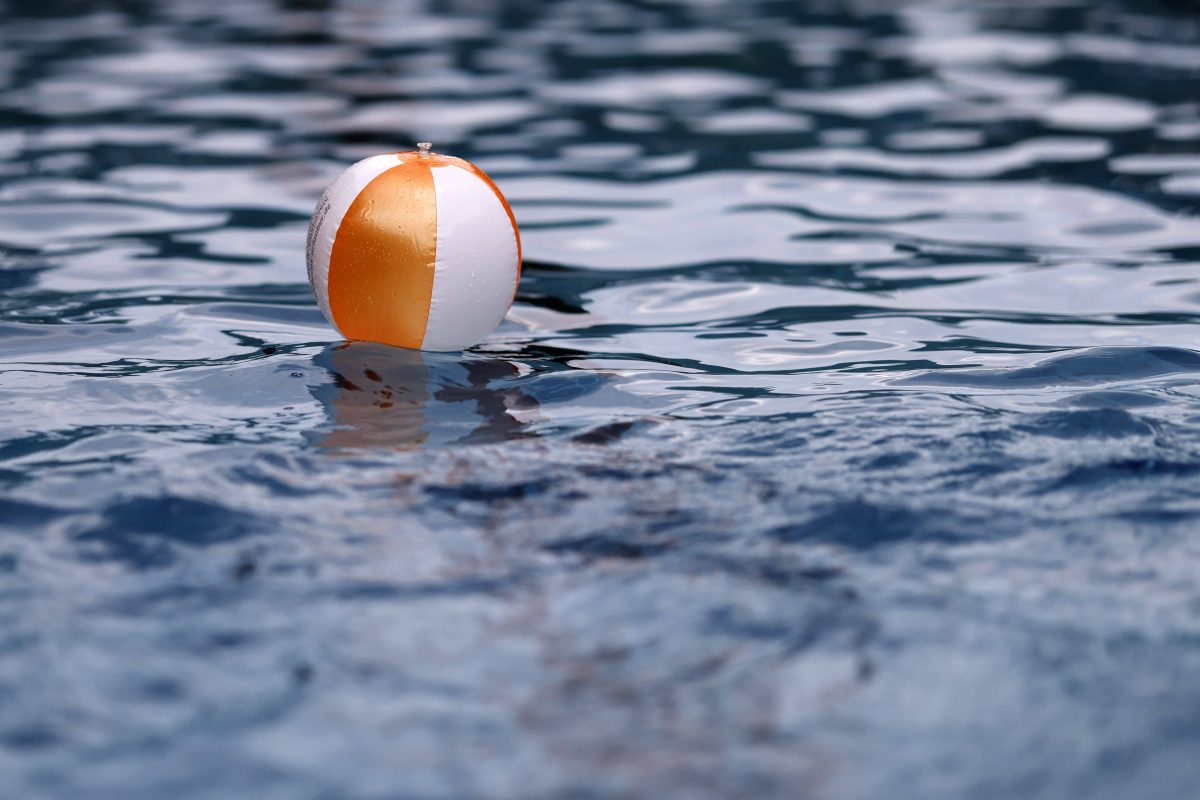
pixel 843 441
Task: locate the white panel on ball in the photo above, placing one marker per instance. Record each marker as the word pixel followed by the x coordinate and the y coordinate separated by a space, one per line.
pixel 475 273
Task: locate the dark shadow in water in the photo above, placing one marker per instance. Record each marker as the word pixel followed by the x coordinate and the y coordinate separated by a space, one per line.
pixel 383 396
pixel 147 532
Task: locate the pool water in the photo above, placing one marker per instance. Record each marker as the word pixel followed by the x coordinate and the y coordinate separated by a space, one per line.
pixel 843 441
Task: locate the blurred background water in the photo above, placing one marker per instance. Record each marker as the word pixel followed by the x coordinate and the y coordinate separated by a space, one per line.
pixel 843 441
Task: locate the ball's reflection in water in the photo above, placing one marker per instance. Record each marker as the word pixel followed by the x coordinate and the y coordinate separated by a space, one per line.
pixel 383 396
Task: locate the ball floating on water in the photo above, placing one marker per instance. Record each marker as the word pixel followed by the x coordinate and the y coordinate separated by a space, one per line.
pixel 415 249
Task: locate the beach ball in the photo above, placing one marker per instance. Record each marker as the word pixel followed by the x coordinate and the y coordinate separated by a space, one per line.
pixel 416 250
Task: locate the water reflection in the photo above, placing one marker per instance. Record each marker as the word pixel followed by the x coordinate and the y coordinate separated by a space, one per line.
pixel 388 397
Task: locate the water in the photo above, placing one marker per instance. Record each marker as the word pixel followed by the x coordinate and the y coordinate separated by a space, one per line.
pixel 843 442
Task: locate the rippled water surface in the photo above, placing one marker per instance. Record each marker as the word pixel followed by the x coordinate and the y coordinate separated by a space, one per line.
pixel 843 441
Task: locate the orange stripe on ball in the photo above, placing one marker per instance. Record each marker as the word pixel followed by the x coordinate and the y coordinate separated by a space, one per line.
pixel 382 264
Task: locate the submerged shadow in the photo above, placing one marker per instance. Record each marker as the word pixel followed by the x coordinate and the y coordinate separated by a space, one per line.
pixel 383 396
